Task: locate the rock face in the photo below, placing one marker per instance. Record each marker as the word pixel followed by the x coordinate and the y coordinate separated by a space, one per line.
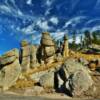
pixel 25 56
pixel 28 56
pixel 48 49
pixel 47 80
pixel 10 68
pixel 73 78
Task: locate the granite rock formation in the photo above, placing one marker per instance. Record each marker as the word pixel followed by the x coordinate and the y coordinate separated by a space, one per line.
pixel 25 56
pixel 47 48
pixel 10 68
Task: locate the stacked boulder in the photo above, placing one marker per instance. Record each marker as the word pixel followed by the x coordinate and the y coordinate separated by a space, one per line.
pixel 9 68
pixel 25 56
pixel 48 48
pixel 33 57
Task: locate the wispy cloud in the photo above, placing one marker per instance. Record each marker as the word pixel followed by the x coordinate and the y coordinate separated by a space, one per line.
pixel 95 28
pixel 54 20
pixel 92 21
pixel 4 8
pixel 43 25
pixel 74 21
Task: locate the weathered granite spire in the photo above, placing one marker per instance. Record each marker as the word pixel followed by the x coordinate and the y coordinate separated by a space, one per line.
pixel 65 47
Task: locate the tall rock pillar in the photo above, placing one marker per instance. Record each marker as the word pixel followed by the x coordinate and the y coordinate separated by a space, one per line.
pixel 25 56
pixel 48 47
pixel 65 47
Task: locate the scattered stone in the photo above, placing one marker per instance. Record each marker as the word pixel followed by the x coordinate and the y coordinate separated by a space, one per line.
pixel 36 90
pixel 83 61
pixel 92 66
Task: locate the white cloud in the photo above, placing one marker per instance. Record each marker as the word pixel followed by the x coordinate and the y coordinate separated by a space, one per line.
pixel 20 13
pixel 92 20
pixel 95 28
pixel 74 21
pixel 47 12
pixel 54 20
pixel 29 29
pixel 5 8
pixel 59 34
pixel 77 39
pixel 43 25
pixel 29 2
pixel 49 2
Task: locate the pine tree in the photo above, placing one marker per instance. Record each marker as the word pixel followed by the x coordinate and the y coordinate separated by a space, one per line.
pixel 87 39
pixel 74 40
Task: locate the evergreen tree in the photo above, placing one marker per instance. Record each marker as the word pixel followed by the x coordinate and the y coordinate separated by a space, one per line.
pixel 87 39
pixel 74 40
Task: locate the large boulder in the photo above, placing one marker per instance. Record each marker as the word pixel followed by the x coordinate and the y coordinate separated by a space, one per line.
pixel 80 82
pixel 47 80
pixel 69 67
pixel 73 76
pixel 10 69
pixel 9 57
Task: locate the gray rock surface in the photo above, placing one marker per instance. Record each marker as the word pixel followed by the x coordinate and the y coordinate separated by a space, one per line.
pixel 47 80
pixel 73 78
pixel 10 69
pixel 81 82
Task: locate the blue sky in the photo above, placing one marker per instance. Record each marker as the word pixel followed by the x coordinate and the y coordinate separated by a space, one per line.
pixel 21 18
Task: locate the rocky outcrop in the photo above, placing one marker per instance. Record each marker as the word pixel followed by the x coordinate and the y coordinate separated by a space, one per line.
pixel 73 77
pixel 80 82
pixel 25 56
pixel 47 48
pixel 10 68
pixel 28 56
